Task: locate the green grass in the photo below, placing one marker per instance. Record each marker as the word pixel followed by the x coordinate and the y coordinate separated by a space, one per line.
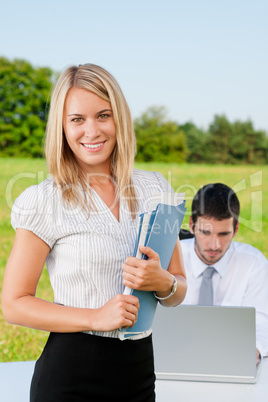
pixel 250 182
pixel 18 343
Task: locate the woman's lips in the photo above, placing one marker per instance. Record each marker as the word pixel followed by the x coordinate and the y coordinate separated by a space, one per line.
pixel 94 147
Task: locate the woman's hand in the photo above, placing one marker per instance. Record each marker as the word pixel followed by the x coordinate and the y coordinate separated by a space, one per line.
pixel 120 311
pixel 150 276
pixel 146 274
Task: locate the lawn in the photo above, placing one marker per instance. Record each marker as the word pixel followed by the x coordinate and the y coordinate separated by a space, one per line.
pixel 250 183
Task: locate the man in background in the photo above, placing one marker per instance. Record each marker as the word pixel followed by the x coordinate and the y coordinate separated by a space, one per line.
pixel 220 271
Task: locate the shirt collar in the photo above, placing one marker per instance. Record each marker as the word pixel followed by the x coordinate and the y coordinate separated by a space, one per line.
pixel 198 266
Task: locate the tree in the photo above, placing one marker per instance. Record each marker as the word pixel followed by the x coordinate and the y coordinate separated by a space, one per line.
pixel 236 142
pixel 24 101
pixel 159 139
pixel 218 142
pixel 196 141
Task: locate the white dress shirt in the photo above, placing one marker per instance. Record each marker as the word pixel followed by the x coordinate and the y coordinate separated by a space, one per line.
pixel 241 279
pixel 87 252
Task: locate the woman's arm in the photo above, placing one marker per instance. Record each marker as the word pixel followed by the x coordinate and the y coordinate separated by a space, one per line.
pixel 20 305
pixel 149 275
pixel 176 268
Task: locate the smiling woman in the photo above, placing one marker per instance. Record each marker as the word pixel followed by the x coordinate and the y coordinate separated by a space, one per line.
pixel 82 222
pixel 89 130
pixel 93 83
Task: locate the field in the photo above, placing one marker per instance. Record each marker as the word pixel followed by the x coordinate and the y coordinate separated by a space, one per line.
pixel 249 182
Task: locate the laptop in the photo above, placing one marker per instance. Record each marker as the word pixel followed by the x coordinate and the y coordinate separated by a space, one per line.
pixel 212 343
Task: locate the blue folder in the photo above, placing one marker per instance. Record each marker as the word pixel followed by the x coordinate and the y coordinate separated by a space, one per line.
pixel 162 234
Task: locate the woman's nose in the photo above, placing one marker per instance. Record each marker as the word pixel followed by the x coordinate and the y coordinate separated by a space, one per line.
pixel 91 129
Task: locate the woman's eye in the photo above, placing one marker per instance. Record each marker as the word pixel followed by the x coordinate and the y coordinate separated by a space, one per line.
pixel 77 119
pixel 103 116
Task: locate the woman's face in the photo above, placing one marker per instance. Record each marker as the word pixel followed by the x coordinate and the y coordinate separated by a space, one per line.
pixel 89 129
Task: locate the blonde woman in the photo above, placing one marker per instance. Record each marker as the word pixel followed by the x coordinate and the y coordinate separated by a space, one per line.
pixel 82 222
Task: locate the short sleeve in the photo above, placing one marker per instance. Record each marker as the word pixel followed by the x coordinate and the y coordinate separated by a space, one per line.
pixel 164 184
pixel 33 211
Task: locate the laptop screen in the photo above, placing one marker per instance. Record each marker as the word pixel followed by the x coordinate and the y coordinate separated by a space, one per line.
pixel 200 343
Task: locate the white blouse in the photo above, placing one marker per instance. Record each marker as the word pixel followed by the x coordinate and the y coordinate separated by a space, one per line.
pixel 86 252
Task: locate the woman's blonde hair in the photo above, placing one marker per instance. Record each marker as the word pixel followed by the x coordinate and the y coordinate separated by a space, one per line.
pixel 60 158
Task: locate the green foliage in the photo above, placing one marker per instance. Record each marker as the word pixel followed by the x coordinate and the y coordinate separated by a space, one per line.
pixel 24 93
pixel 237 142
pixel 24 102
pixel 196 141
pixel 248 145
pixel 226 142
pixel 158 139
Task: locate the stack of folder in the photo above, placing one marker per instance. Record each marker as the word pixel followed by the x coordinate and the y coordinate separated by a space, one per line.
pixel 158 229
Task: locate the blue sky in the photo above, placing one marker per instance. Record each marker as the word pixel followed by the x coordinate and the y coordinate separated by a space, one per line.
pixel 197 58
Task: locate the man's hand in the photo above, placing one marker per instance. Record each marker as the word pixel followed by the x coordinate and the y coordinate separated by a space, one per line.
pixel 258 356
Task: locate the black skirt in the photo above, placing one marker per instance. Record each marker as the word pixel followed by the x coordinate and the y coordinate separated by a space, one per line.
pixel 79 367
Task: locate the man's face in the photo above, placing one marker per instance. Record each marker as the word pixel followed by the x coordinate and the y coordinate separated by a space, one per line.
pixel 212 237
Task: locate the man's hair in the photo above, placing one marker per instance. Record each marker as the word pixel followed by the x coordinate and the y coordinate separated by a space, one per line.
pixel 216 201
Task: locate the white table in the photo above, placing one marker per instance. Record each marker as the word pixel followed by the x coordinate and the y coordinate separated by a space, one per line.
pixel 15 381
pixel 189 391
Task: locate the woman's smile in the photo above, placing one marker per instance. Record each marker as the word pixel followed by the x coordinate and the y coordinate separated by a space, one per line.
pixel 94 147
